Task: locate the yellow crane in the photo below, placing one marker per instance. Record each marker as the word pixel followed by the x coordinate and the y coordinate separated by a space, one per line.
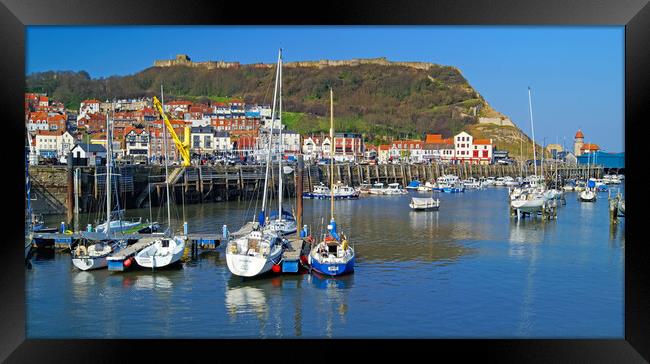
pixel 183 147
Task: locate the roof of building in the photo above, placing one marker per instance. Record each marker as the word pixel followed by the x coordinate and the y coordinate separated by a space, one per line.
pixel 482 141
pixel 436 146
pixel 50 133
pixel 590 146
pixel 129 129
pixel 433 138
pixel 579 134
pixel 91 148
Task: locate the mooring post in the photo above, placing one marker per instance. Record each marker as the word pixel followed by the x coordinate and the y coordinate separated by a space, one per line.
pixel 76 199
pixel 70 190
pixel 299 182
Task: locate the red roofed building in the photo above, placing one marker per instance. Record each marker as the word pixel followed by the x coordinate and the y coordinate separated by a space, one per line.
pixel 57 122
pixel 136 143
pixel 589 148
pixel 37 121
pixel 406 149
pixel 470 150
pixel 53 144
pixel 88 107
pixel 43 103
pixel 244 141
pixel 92 123
pixel 433 138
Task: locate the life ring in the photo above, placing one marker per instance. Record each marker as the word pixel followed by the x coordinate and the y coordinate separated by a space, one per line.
pixel 68 232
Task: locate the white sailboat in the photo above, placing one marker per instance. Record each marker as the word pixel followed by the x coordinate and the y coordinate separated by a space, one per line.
pixel 88 255
pixel 333 256
pixel 530 200
pixel 167 250
pixel 256 252
pixel 589 193
pixel 284 222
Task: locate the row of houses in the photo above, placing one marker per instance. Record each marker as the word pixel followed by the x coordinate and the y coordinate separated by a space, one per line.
pixel 462 148
pixel 231 128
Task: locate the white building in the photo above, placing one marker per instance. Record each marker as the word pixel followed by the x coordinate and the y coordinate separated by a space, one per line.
pixel 206 140
pixel 88 107
pixel 463 146
pixel 94 153
pixel 311 149
pixel 53 144
pixel 470 150
pixel 136 143
pixel 291 141
pixel 37 121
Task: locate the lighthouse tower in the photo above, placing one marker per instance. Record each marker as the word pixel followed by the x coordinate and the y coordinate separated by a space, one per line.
pixel 578 143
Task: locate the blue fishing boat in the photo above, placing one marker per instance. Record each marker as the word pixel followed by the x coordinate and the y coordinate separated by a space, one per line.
pixel 456 188
pixel 333 256
pixel 413 185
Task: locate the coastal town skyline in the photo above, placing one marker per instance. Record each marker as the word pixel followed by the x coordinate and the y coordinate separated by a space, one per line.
pixel 576 74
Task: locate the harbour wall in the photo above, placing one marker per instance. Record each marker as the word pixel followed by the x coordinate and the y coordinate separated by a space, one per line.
pixel 138 186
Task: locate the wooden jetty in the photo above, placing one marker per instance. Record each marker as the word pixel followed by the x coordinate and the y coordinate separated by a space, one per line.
pixel 66 241
pixel 291 255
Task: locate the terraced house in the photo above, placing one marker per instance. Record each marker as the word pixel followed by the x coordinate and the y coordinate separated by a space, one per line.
pixel 136 143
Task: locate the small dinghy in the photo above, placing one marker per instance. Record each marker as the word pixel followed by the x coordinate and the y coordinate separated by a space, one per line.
pixel 423 204
pixel 588 195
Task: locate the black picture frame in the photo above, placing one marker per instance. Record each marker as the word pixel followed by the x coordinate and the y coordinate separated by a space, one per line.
pixel 633 14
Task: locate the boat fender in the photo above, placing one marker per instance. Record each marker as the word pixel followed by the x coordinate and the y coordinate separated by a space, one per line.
pixel 276 268
pixel 127 263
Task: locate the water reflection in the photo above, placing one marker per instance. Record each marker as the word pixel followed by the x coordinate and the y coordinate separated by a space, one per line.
pixel 335 303
pixel 83 284
pixel 244 297
pixel 151 281
pixel 523 231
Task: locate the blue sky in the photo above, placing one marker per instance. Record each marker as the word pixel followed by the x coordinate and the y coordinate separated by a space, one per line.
pixel 576 73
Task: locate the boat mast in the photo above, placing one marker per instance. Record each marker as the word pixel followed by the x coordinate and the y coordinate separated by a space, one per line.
pixel 109 154
pixel 268 155
pixel 332 152
pixel 162 102
pixel 280 149
pixel 532 127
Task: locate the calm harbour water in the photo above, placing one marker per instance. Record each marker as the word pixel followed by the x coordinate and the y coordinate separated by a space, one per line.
pixel 466 271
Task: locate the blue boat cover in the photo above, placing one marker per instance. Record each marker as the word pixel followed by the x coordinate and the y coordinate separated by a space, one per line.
pixel 591 184
pixel 260 218
pixel 414 184
pixel 286 215
pixel 332 231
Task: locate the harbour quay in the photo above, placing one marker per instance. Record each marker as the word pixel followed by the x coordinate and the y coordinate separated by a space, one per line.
pixel 141 185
